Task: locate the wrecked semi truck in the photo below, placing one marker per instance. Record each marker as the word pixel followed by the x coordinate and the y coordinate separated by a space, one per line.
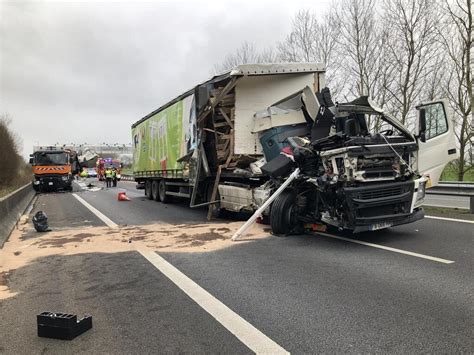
pixel 231 141
pixel 53 169
pixel 201 145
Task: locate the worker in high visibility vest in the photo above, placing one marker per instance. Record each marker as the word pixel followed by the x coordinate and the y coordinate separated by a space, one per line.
pixel 108 177
pixel 114 177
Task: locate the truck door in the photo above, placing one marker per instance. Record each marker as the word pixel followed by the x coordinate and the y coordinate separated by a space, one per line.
pixel 440 145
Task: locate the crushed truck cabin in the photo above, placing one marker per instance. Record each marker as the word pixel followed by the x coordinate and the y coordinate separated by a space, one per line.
pixel 232 141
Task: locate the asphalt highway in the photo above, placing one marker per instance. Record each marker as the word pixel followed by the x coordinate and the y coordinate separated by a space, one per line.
pixel 407 289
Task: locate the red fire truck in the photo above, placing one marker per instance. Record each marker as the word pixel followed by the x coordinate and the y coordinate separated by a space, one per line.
pixel 104 163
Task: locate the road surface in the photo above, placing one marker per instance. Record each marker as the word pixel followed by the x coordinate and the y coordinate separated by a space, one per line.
pixel 407 289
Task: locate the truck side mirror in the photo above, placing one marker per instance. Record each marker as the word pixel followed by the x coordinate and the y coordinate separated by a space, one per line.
pixel 422 125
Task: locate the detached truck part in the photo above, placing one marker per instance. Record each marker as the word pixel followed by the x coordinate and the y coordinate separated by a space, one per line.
pixel 233 140
pixel 53 169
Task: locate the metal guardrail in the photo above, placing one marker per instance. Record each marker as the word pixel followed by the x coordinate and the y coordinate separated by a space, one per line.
pixel 461 184
pixel 454 188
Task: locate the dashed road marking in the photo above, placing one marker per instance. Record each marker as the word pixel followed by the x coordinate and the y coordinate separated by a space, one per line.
pixel 253 338
pixel 95 211
pixel 450 219
pixel 395 250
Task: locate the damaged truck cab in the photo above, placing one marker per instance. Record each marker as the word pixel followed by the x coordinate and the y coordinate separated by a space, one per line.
pixel 231 142
pixel 353 176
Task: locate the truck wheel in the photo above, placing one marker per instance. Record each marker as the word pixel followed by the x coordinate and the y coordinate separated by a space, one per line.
pixel 282 219
pixel 154 190
pixel 162 192
pixel 148 189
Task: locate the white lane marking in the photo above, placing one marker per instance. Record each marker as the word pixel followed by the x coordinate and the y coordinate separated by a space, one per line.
pixel 450 219
pixel 243 330
pixel 95 211
pixel 395 250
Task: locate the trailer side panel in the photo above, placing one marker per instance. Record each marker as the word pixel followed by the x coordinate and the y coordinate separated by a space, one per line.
pixel 164 137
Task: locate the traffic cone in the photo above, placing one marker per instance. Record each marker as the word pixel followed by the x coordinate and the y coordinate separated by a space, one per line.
pixel 122 196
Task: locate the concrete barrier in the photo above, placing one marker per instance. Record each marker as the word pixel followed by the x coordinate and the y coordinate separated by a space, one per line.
pixel 12 207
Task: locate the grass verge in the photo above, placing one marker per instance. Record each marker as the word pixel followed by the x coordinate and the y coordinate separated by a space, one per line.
pixel 450 174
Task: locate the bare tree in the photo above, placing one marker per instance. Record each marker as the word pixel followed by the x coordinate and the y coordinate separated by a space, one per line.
pixel 364 54
pixel 412 26
pixel 300 44
pixel 358 42
pixel 311 40
pixel 10 160
pixel 246 53
pixel 457 40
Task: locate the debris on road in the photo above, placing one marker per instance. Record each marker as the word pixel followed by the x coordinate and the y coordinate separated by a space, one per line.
pixel 62 326
pixel 194 238
pixel 40 222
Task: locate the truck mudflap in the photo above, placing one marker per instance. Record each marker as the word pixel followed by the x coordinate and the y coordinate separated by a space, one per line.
pixel 380 206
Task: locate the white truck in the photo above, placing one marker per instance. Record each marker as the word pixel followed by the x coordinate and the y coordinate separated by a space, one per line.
pixel 231 141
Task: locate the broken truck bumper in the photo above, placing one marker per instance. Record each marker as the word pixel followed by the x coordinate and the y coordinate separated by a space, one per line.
pixel 381 206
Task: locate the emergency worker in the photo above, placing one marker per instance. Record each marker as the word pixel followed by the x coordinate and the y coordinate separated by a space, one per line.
pixel 108 177
pixel 114 176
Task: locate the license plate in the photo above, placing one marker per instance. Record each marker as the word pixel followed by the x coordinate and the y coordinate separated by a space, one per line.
pixel 50 183
pixel 377 226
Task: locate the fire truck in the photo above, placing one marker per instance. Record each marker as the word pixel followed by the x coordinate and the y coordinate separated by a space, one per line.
pixel 104 163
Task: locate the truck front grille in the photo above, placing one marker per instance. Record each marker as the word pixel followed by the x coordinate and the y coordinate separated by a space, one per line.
pixel 369 204
pixel 381 192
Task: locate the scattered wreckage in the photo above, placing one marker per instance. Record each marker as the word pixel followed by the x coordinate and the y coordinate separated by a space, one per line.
pixel 269 138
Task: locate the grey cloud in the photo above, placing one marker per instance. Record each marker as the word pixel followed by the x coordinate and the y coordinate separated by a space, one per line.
pixel 85 71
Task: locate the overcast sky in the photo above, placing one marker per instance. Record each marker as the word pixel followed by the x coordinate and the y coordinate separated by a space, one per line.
pixel 84 71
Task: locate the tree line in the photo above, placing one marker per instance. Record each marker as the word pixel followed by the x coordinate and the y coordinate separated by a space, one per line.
pixel 398 52
pixel 14 171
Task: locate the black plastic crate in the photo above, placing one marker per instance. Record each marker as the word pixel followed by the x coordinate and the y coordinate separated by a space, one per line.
pixel 62 326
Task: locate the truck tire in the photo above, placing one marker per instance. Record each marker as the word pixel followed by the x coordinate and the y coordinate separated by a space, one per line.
pixel 154 190
pixel 162 192
pixel 281 214
pixel 148 189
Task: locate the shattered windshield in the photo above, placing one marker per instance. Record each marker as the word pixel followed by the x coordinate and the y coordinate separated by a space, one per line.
pixel 51 158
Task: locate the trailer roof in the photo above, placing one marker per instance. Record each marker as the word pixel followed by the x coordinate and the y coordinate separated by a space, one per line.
pixel 246 70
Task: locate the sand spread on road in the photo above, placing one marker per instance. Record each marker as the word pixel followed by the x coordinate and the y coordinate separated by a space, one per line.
pixel 25 244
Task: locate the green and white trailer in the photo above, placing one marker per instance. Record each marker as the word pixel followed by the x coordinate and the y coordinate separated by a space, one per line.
pixel 204 144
